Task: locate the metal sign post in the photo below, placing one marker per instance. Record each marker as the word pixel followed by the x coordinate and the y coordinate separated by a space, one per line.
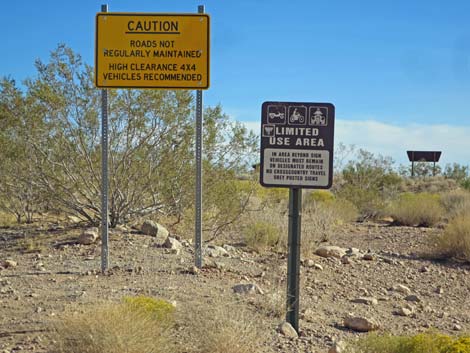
pixel 293 260
pixel 152 50
pixel 198 220
pixel 104 175
pixel 296 152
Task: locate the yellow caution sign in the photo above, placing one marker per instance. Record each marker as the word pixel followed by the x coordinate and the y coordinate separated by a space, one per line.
pixel 134 50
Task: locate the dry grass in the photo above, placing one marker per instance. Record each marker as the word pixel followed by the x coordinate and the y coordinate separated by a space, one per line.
pixel 456 202
pixel 111 329
pixel 227 328
pixel 7 219
pixel 455 241
pixel 416 209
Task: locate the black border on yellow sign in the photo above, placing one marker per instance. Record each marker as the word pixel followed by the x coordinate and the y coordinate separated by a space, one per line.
pixel 160 15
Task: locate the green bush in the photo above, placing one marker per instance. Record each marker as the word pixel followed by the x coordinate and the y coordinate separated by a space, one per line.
pixel 320 196
pixel 416 209
pixel 429 342
pixel 260 235
pixel 455 241
pixel 157 309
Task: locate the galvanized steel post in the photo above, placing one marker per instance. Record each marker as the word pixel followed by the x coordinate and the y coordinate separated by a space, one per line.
pixel 198 221
pixel 104 175
pixel 293 260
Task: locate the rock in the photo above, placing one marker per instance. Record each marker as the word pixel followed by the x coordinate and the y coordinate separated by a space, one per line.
pixel 369 257
pixel 404 312
pixel 230 248
pixel 424 269
pixel 354 252
pixel 338 347
pixel 9 263
pixel 346 260
pixel 412 298
pixel 360 324
pixel 366 300
pixel 194 270
pixel 155 229
pixel 309 263
pixel 330 251
pixel 439 290
pixel 287 330
pixel 400 288
pixel 172 243
pixel 88 236
pixel 216 251
pixel 250 288
pixel 457 327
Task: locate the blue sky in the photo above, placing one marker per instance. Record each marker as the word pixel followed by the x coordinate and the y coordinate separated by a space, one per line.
pixel 398 72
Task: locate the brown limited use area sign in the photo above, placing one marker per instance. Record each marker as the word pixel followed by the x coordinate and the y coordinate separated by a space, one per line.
pixel 297 144
pixel 135 50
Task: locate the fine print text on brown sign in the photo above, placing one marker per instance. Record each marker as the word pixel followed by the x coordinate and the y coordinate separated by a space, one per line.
pixel 152 50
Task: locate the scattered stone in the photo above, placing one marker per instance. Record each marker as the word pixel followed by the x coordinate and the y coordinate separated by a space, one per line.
pixel 366 300
pixel 156 230
pixel 424 269
pixel 354 252
pixel 369 257
pixel 412 298
pixel 250 288
pixel 330 251
pixel 404 312
pixel 88 236
pixel 400 288
pixel 287 330
pixel 9 263
pixel 230 248
pixel 457 327
pixel 172 243
pixel 194 270
pixel 360 324
pixel 216 251
pixel 439 290
pixel 338 347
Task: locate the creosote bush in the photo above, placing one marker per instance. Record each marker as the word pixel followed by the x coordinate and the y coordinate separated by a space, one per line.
pixel 430 342
pixel 455 241
pixel 416 209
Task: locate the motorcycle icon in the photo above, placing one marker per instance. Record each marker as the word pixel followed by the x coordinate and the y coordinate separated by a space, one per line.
pixel 296 117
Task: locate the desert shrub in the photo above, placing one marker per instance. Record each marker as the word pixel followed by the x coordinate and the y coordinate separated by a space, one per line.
pixel 454 242
pixel 456 202
pixel 7 219
pixel 215 328
pixel 260 235
pixel 430 342
pixel 430 184
pixel 319 196
pixel 112 328
pixel 369 182
pixel 343 210
pixel 158 309
pixel 416 209
pixel 271 195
